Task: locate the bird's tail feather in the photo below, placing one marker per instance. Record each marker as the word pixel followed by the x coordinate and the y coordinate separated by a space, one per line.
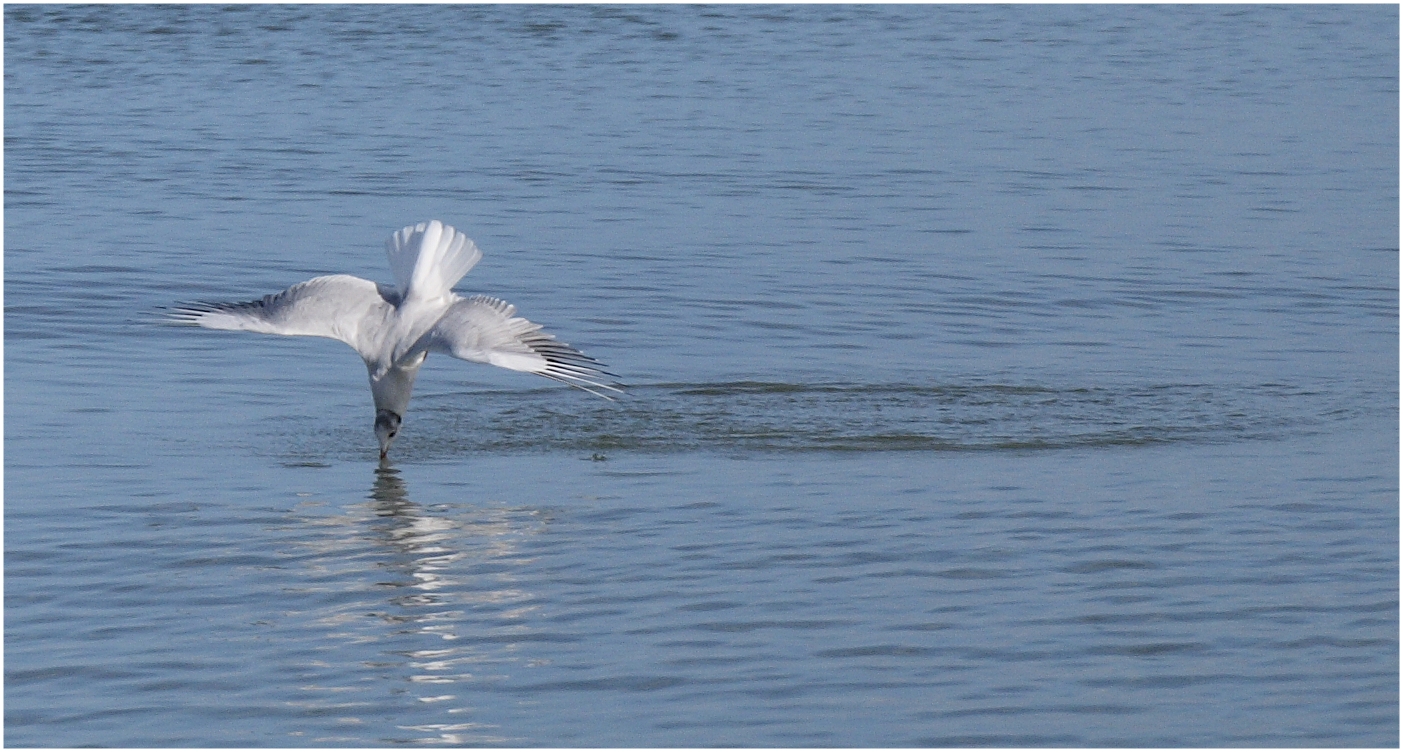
pixel 429 258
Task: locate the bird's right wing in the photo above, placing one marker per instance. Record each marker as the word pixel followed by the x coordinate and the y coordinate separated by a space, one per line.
pixel 486 330
pixel 334 306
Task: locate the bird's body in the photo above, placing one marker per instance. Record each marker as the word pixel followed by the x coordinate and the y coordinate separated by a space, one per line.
pixel 393 329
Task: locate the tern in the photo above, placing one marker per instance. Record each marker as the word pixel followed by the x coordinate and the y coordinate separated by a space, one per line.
pixel 394 329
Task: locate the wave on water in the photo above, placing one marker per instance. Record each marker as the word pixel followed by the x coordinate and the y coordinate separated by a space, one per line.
pixel 748 416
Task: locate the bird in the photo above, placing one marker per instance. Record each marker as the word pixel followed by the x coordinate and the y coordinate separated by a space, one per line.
pixel 394 328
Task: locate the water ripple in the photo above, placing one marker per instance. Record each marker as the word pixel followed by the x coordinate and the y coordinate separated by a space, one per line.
pixel 836 417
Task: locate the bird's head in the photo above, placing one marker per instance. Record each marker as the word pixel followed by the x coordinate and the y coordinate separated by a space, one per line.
pixel 386 429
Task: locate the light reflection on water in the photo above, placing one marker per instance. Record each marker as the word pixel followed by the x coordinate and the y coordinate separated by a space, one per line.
pixel 440 579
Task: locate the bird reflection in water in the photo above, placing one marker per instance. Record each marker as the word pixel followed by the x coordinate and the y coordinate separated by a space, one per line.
pixel 455 615
pixel 422 546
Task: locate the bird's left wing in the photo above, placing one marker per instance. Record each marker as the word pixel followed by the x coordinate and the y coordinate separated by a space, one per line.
pixel 334 306
pixel 486 330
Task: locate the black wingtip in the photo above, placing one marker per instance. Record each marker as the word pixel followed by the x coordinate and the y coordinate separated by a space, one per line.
pixel 178 314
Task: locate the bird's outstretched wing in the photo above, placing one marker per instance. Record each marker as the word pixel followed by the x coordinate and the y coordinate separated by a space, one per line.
pixel 335 306
pixel 486 330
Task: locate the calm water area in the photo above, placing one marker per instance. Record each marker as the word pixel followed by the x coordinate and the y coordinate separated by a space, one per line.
pixel 999 376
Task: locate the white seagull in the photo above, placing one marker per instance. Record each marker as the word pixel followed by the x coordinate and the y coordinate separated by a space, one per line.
pixel 394 329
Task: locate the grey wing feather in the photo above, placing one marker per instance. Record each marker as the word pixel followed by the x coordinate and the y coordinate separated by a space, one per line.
pixel 332 306
pixel 486 330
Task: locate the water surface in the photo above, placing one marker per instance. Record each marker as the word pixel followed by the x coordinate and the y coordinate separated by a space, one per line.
pixel 1005 376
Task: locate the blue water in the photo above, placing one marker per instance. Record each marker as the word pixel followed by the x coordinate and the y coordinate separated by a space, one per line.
pixel 1005 376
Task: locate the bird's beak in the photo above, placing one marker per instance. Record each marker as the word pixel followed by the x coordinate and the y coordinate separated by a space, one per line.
pixel 384 454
